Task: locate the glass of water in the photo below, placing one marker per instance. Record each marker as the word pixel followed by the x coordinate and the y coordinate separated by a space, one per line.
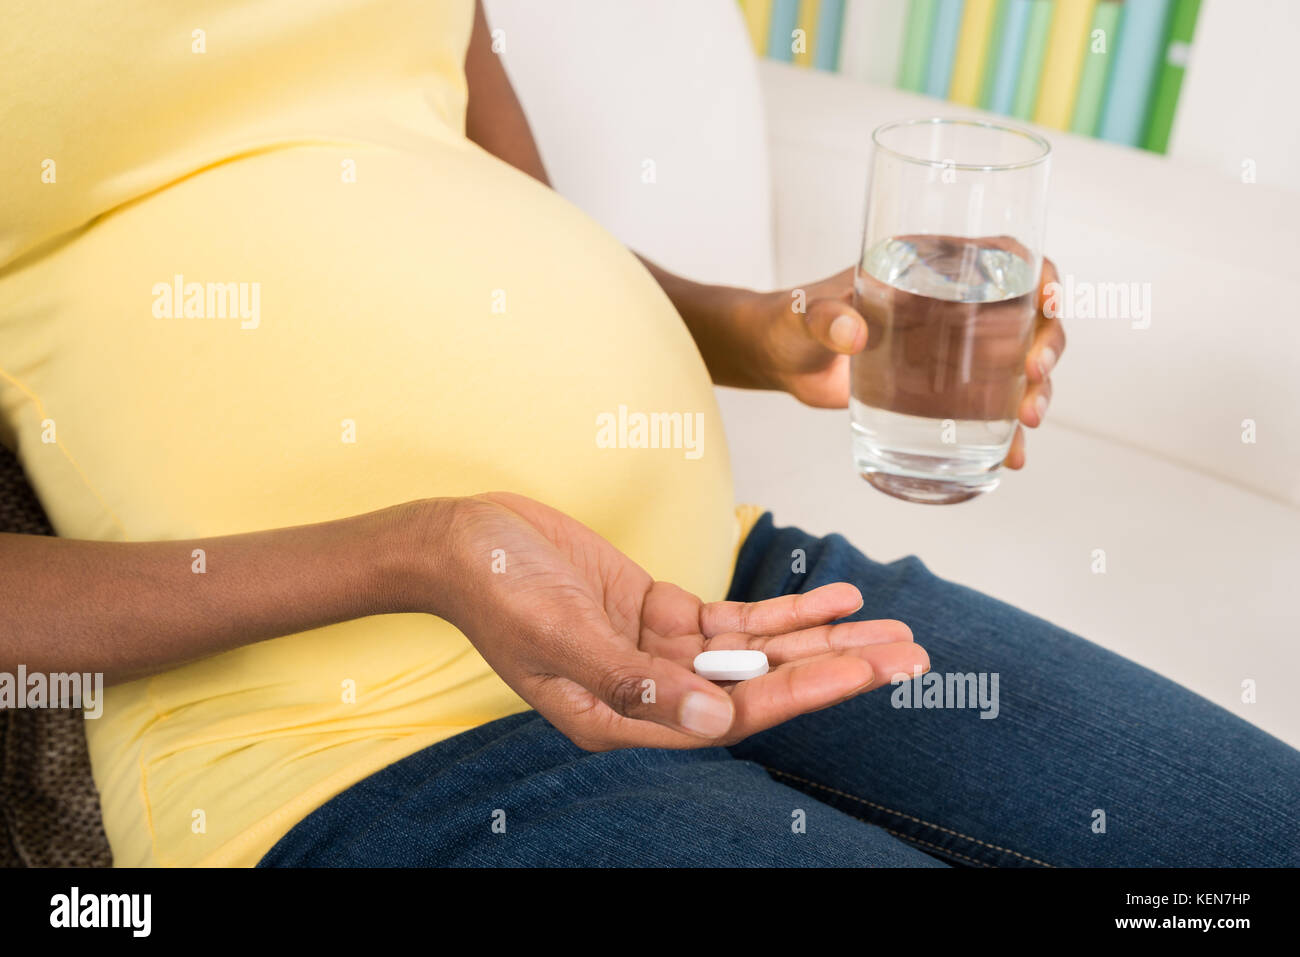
pixel 948 283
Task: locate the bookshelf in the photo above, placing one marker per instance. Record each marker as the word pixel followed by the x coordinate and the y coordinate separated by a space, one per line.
pixel 1111 69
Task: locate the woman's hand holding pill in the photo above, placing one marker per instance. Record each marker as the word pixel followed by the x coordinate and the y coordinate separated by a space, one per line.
pixel 606 653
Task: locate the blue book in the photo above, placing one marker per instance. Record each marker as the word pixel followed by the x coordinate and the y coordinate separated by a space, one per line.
pixel 1007 50
pixel 830 16
pixel 1137 55
pixel 943 47
pixel 785 18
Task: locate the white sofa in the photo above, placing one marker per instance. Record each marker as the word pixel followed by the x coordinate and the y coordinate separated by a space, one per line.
pixel 759 180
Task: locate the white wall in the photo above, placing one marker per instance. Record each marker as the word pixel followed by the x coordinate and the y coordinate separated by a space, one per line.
pixel 1238 99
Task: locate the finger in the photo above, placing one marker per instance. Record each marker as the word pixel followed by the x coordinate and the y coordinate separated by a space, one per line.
pixel 1049 275
pixel 776 616
pixel 836 325
pixel 1049 336
pixel 640 686
pixel 816 683
pixel 809 642
pixel 1045 352
pixel 1033 407
pixel 1009 243
pixel 760 703
pixel 1016 454
pixel 593 726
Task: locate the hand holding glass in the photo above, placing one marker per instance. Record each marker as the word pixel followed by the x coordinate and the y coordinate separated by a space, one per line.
pixel 948 284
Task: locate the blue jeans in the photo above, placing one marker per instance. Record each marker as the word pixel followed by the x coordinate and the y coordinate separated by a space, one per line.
pixel 1082 758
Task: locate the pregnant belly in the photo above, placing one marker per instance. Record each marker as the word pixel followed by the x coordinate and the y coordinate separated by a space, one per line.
pixel 267 344
pixel 313 332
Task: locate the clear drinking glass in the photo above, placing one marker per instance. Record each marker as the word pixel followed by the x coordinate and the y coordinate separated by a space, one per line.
pixel 948 282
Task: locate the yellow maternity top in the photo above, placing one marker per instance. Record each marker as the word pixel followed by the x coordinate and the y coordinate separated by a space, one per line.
pixel 252 274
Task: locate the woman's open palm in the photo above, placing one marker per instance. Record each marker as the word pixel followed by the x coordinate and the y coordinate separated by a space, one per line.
pixel 605 652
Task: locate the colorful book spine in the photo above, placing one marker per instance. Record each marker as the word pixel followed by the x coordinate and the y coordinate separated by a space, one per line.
pixel 1102 35
pixel 943 44
pixel 1178 47
pixel 916 44
pixel 989 72
pixel 830 22
pixel 809 11
pixel 1031 62
pixel 780 35
pixel 1066 45
pixel 1137 56
pixel 758 18
pixel 972 51
pixel 872 40
pixel 1006 55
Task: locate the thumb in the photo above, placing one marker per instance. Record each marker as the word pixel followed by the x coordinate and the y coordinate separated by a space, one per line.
pixel 836 325
pixel 636 684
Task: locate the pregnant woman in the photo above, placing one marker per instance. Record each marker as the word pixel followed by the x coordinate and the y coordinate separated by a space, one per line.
pixel 284 298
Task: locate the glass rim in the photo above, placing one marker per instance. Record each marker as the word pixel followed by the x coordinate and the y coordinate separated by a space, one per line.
pixel 1039 141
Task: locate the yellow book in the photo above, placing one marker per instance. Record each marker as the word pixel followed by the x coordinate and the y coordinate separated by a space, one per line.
pixel 972 50
pixel 808 24
pixel 1066 45
pixel 758 17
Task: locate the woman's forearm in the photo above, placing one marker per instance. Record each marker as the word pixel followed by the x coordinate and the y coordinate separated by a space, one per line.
pixel 130 609
pixel 716 317
pixel 493 117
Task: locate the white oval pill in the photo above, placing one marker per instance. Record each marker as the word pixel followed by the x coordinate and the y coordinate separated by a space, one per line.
pixel 737 665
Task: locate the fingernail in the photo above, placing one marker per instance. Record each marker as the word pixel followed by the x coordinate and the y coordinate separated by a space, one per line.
pixel 1041 405
pixel 1046 360
pixel 918 665
pixel 706 714
pixel 844 331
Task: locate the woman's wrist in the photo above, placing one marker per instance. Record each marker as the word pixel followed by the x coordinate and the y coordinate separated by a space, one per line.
pixel 411 554
pixel 725 329
pixel 726 323
pixel 748 321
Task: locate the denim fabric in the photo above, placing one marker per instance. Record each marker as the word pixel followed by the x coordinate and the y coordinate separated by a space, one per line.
pixel 1090 760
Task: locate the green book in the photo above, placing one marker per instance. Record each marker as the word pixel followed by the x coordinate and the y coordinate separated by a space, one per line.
pixel 1096 67
pixel 1031 67
pixel 1169 81
pixel 916 45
